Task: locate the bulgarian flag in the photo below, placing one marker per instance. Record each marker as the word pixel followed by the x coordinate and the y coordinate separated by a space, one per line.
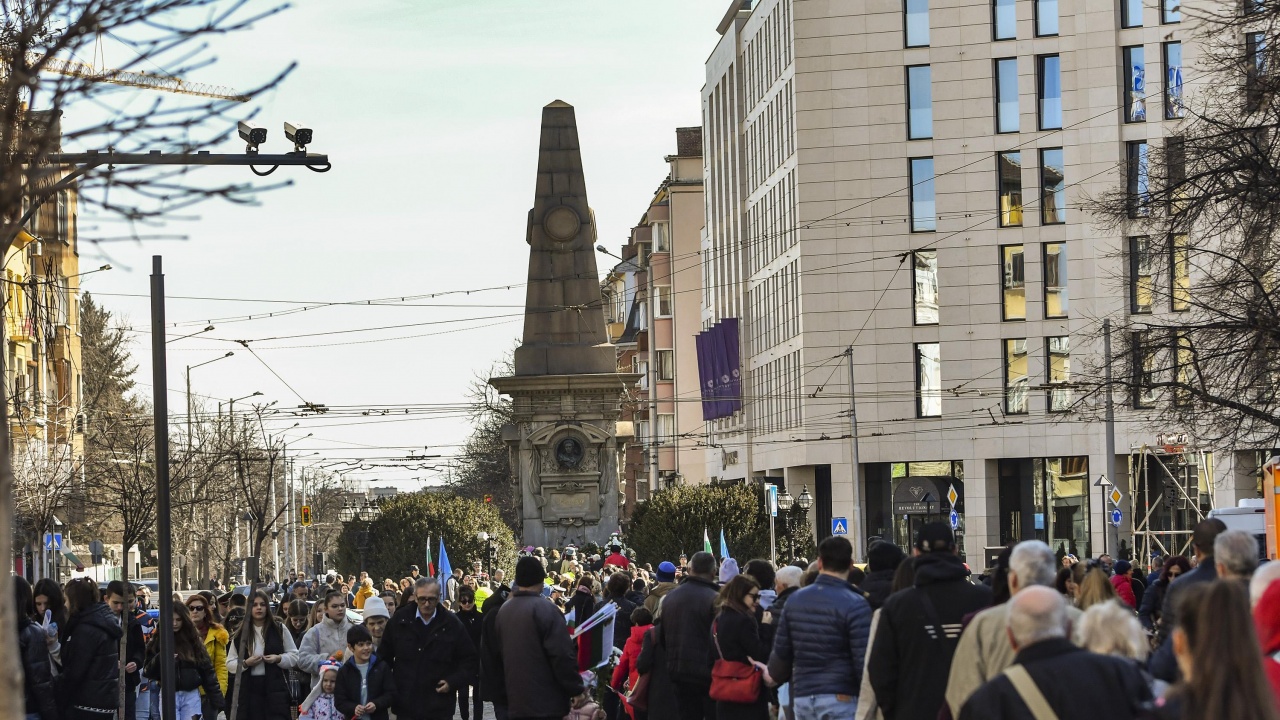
pixel 571 620
pixel 595 638
pixel 431 566
pixel 706 541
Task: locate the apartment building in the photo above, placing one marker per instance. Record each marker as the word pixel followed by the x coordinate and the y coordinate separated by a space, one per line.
pixel 653 309
pixel 893 195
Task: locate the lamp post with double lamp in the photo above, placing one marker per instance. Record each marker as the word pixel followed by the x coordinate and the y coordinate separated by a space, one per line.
pixel 785 504
pixel 490 551
pixel 363 515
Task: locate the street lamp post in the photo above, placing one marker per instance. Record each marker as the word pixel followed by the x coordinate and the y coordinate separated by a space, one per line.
pixel 204 549
pixel 785 503
pixel 365 515
pixel 805 501
pixel 490 550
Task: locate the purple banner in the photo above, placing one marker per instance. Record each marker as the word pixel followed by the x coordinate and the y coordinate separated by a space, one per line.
pixel 720 370
pixel 733 390
pixel 706 376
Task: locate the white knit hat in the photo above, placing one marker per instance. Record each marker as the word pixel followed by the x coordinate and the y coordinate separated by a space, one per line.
pixel 375 607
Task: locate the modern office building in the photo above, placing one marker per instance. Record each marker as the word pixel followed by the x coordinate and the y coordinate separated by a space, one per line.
pixel 893 193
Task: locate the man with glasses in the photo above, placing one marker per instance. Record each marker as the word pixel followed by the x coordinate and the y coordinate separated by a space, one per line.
pixel 430 654
pixel 327 636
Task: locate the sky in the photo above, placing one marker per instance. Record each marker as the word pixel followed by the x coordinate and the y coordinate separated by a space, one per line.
pixel 429 111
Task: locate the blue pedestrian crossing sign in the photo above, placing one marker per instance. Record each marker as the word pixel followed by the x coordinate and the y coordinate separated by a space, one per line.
pixel 839 526
pixel 1116 517
pixel 53 541
pixel 955 520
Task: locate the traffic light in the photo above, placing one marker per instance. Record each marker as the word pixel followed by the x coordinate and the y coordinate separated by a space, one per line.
pixel 304 516
pixel 488 499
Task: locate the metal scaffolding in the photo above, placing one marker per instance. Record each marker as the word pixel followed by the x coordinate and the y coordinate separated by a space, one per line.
pixel 1163 507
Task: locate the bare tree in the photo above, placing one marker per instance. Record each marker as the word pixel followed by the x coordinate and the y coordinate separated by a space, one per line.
pixel 48 102
pixel 1200 345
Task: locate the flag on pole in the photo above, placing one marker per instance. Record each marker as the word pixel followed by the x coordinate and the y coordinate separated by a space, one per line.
pixel 724 548
pixel 571 620
pixel 431 566
pixel 595 638
pixel 445 568
pixel 706 541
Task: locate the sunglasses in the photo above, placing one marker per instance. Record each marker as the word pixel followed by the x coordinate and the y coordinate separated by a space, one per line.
pixel 426 600
pixel 196 608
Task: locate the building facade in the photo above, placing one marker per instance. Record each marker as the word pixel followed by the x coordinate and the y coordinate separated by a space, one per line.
pixel 893 195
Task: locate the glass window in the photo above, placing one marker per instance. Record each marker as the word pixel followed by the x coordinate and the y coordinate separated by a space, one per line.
pixel 926 286
pixel 1049 91
pixel 1255 49
pixel 1135 84
pixel 1046 17
pixel 923 214
pixel 1007 119
pixel 1057 299
pixel 663 298
pixel 1058 362
pixel 919 103
pixel 1139 179
pixel 666 429
pixel 1053 187
pixel 1014 282
pixel 1144 370
pixel 1016 380
pixel 1131 13
pixel 917 22
pixel 1004 15
pixel 642 432
pixel 1170 11
pixel 1183 368
pixel 1175 165
pixel 660 238
pixel 1009 167
pixel 1173 106
pixel 666 365
pixel 1141 288
pixel 928 380
pixel 1179 273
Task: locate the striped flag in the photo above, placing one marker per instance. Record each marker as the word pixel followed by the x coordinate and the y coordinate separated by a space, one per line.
pixel 706 541
pixel 595 638
pixel 724 548
pixel 431 566
pixel 571 619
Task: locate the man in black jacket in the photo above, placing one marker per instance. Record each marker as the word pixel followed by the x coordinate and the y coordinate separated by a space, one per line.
pixel 430 654
pixel 1049 672
pixel 920 627
pixel 493 686
pixel 472 621
pixel 685 632
pixel 119 598
pixel 539 661
pixel 1163 666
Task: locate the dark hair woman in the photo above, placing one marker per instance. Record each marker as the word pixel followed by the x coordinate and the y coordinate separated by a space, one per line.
pixel 194 670
pixel 215 615
pixel 297 621
pixel 87 685
pixel 47 595
pixel 736 636
pixel 1217 652
pixel 37 666
pixel 1153 599
pixel 268 650
pixel 216 639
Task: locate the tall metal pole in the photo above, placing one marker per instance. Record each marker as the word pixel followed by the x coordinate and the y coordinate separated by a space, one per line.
pixel 855 520
pixel 773 537
pixel 160 403
pixel 1111 430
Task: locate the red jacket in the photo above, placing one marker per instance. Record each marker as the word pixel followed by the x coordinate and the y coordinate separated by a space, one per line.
pixel 1266 619
pixel 1125 590
pixel 625 671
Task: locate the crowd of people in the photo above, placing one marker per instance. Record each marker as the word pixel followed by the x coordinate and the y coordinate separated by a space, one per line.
pixel 913 636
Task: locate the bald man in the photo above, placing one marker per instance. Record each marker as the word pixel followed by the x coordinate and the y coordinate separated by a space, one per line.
pixel 1049 672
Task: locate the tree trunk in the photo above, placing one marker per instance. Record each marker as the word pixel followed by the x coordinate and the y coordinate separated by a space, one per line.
pixel 12 706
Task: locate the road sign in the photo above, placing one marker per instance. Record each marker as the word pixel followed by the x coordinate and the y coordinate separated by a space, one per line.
pixel 952 495
pixel 1116 516
pixel 1102 481
pixel 53 541
pixel 839 526
pixel 771 496
pixel 955 520
pixel 1115 496
pixel 304 516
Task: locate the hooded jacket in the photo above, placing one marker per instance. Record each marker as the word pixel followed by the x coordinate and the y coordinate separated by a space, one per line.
pixel 37 671
pixel 1266 619
pixel 1124 589
pixel 877 586
pixel 319 643
pixel 655 596
pixel 917 634
pixel 215 643
pixel 625 673
pixel 90 664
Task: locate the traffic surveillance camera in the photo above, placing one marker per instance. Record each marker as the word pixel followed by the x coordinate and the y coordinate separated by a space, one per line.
pixel 253 136
pixel 297 134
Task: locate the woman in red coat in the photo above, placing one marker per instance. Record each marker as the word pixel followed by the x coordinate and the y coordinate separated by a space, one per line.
pixel 625 674
pixel 1122 581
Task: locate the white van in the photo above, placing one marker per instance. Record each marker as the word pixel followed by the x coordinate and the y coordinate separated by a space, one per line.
pixel 1250 515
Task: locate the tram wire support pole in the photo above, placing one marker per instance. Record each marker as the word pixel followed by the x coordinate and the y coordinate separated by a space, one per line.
pixel 164 529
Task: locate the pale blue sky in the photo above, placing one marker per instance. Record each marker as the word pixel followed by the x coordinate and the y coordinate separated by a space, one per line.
pixel 430 113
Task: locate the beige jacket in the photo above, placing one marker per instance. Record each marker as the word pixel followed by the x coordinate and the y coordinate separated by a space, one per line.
pixel 983 652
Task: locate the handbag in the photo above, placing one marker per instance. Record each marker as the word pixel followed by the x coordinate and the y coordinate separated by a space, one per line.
pixel 733 681
pixel 638 694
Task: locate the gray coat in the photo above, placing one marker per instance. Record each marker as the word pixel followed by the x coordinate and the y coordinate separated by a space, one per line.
pixel 539 660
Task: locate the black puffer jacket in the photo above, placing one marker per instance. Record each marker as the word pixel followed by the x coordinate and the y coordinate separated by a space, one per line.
pixel 877 586
pixel 686 630
pixel 493 686
pixel 90 664
pixel 37 671
pixel 822 639
pixel 911 657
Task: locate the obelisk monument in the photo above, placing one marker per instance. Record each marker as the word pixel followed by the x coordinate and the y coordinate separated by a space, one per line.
pixel 566 392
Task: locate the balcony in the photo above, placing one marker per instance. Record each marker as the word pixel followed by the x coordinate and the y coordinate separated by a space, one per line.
pixel 21 330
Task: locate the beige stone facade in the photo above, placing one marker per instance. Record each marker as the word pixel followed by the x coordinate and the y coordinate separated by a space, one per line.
pixel 846 211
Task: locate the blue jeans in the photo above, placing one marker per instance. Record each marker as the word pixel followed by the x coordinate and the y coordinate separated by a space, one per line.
pixel 825 707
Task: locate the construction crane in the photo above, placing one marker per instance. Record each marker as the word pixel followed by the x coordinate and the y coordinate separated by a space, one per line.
pixel 139 79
